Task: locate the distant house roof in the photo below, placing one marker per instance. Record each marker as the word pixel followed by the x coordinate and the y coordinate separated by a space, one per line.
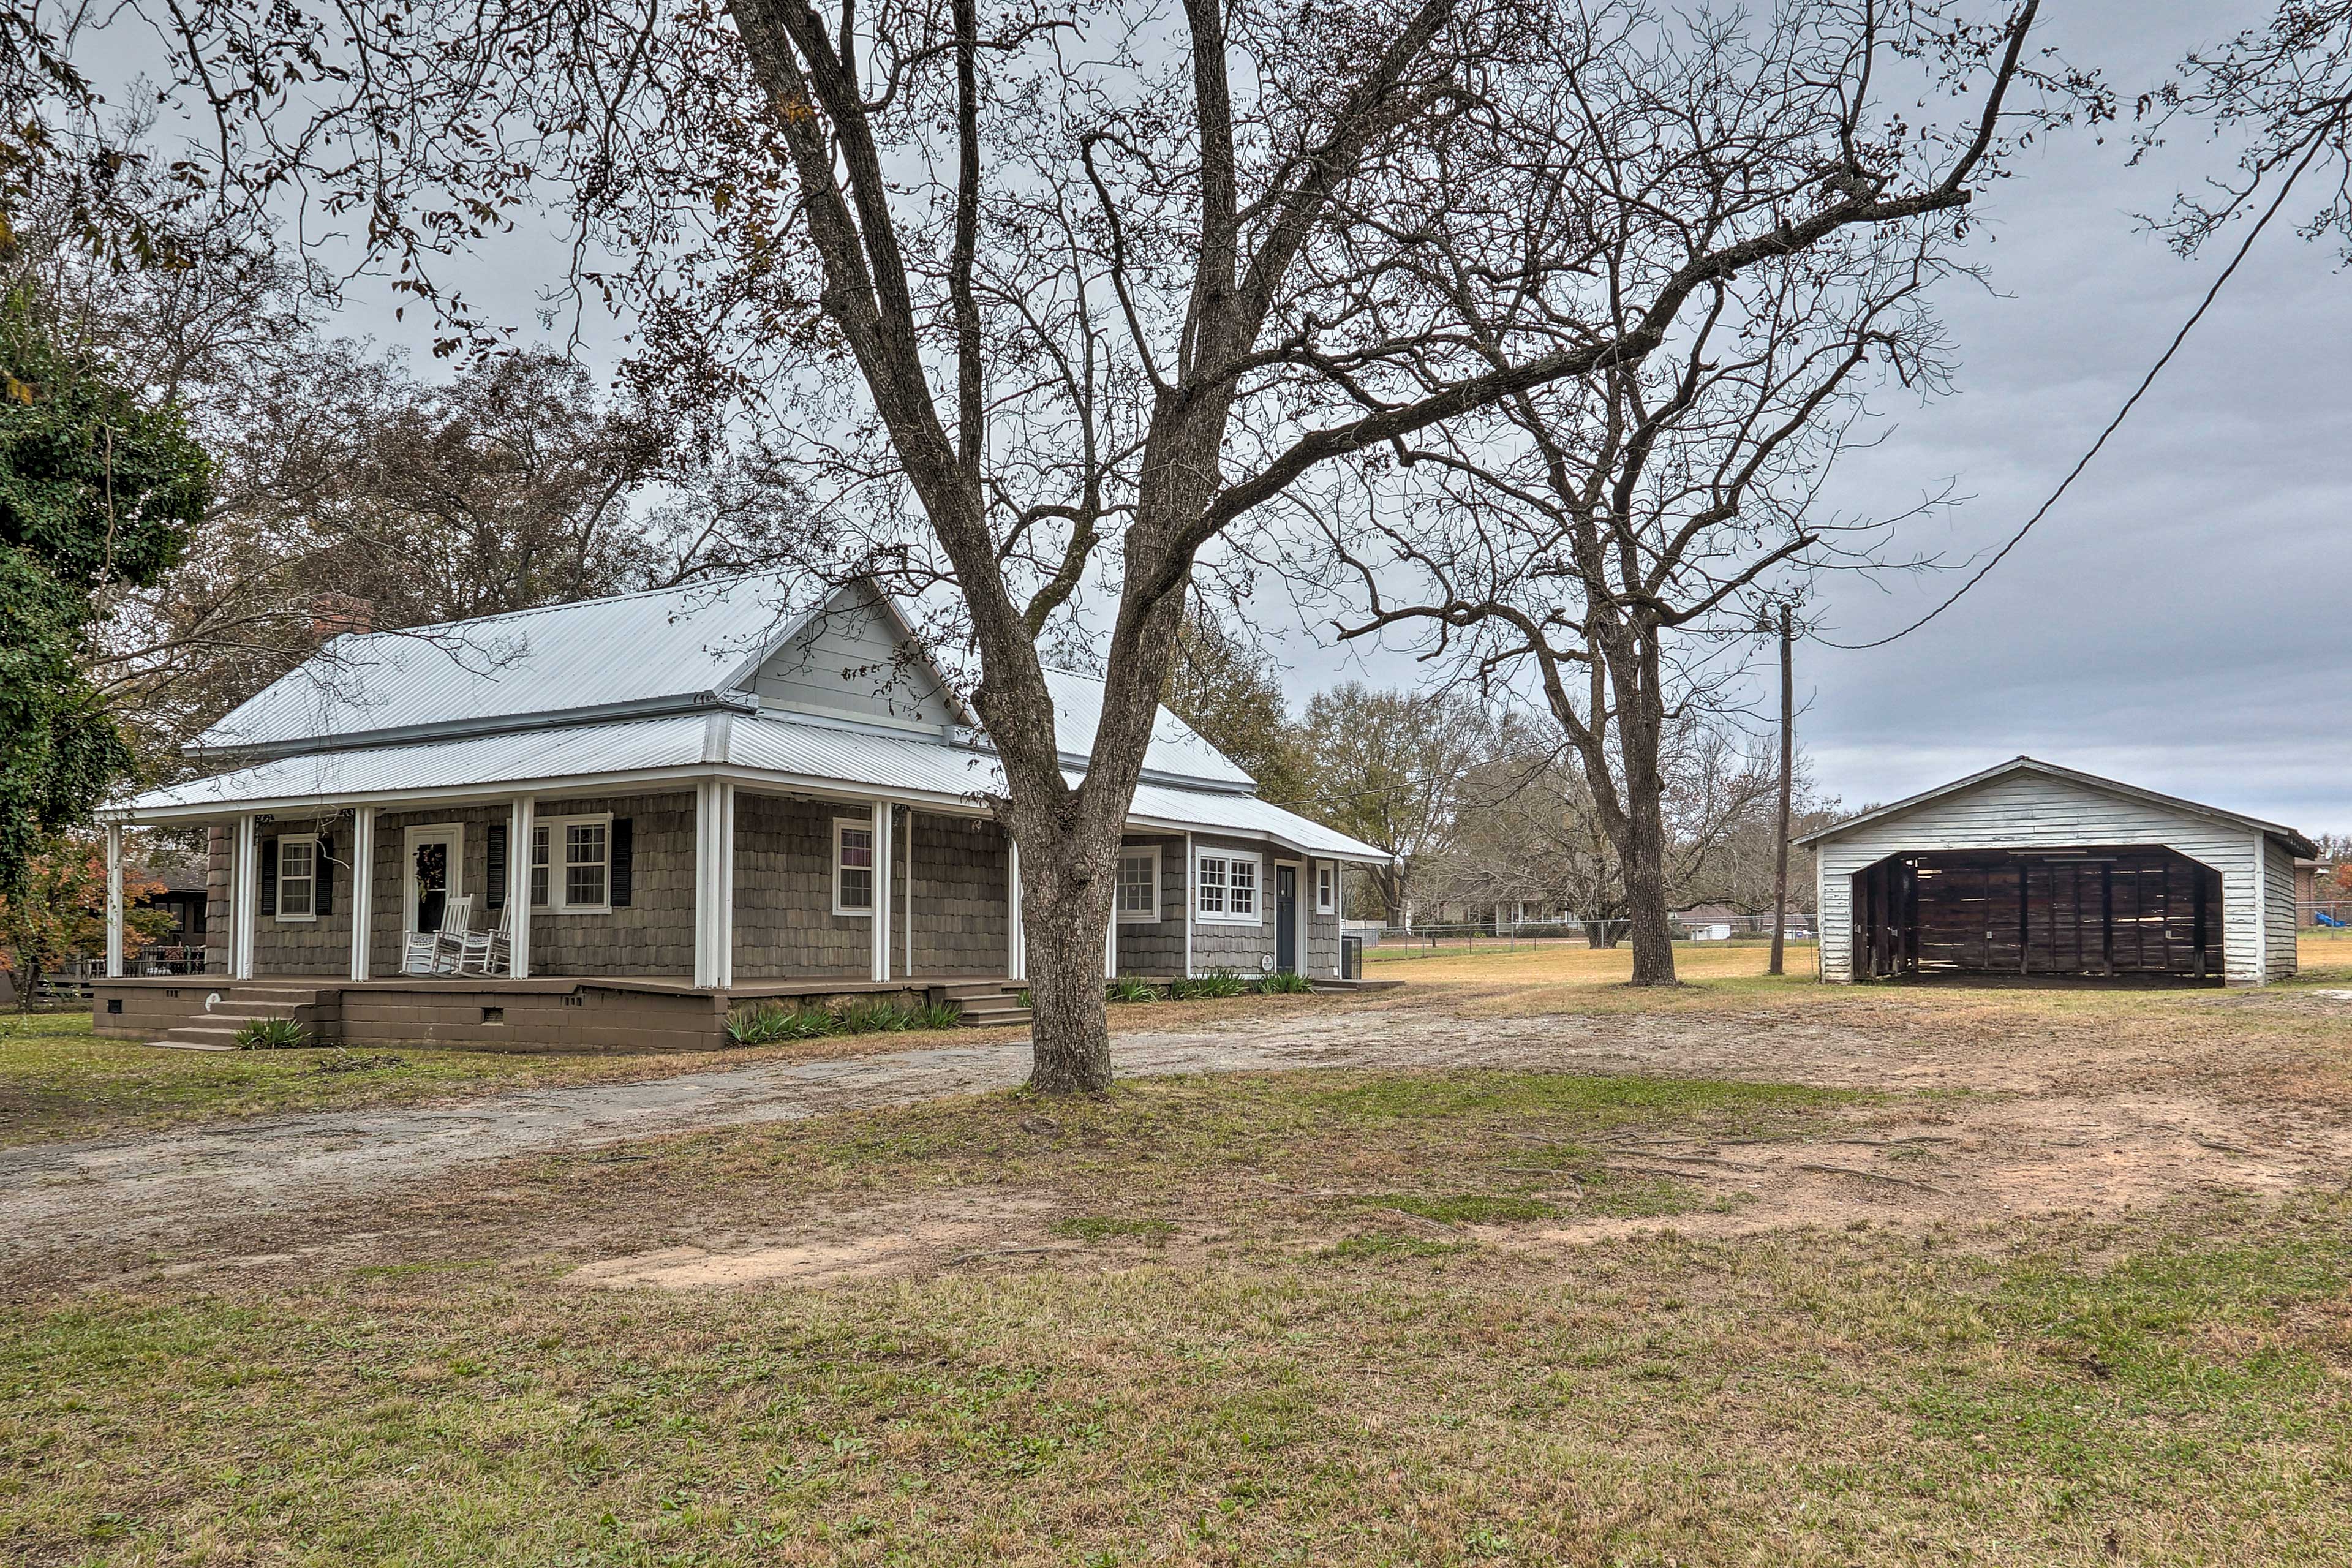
pixel 2295 842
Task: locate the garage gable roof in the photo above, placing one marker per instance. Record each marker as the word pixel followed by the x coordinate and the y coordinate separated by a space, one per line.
pixel 2294 841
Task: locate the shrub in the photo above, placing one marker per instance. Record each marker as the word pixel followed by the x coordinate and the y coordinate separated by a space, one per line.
pixel 1133 990
pixel 1286 984
pixel 1216 983
pixel 271 1035
pixel 769 1022
pixel 874 1017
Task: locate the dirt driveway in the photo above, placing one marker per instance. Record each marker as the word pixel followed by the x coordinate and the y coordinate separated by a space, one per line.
pixel 2013 1107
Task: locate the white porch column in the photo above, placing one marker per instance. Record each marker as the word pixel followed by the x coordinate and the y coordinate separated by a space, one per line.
pixel 521 819
pixel 1110 942
pixel 1191 900
pixel 1016 938
pixel 244 900
pixel 1339 914
pixel 363 888
pixel 882 857
pixel 714 884
pixel 114 900
pixel 722 953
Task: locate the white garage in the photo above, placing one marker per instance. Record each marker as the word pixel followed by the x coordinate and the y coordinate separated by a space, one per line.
pixel 2032 868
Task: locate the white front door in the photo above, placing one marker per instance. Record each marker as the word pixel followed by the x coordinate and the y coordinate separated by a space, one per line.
pixel 433 860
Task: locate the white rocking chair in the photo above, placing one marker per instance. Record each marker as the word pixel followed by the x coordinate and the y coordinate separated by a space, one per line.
pixel 487 952
pixel 440 952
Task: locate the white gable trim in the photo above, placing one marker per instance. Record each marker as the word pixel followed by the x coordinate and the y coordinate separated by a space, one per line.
pixel 2288 836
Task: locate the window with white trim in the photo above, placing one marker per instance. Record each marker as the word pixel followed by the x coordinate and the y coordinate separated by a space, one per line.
pixel 1138 883
pixel 298 876
pixel 1228 889
pixel 571 864
pixel 1327 879
pixel 853 866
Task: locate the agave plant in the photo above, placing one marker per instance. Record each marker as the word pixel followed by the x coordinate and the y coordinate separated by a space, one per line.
pixel 271 1035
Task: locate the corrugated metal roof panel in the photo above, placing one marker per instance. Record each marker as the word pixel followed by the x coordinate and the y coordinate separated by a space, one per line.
pixel 1175 748
pixel 811 753
pixel 521 757
pixel 1246 814
pixel 859 757
pixel 598 653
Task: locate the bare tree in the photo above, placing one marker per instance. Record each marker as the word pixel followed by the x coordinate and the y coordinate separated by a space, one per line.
pixel 1388 767
pixel 1530 828
pixel 2285 89
pixel 1057 294
pixel 1601 530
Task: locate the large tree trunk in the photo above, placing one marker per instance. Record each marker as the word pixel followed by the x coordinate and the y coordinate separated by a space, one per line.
pixel 1640 725
pixel 1065 913
pixel 1646 886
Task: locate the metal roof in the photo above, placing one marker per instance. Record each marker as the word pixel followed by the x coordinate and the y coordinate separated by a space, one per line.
pixel 634 649
pixel 1176 751
pixel 2287 835
pixel 594 758
pixel 632 655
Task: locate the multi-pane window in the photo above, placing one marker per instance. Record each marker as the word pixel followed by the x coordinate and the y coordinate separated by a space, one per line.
pixel 297 878
pixel 571 864
pixel 1326 877
pixel 586 863
pixel 853 867
pixel 1138 884
pixel 1227 889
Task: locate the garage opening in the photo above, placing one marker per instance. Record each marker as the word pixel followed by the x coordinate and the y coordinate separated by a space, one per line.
pixel 2096 912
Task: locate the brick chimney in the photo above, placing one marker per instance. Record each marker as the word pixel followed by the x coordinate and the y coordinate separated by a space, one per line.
pixel 332 614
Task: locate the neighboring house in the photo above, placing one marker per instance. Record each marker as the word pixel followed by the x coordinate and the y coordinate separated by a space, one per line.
pixel 669 804
pixel 2034 868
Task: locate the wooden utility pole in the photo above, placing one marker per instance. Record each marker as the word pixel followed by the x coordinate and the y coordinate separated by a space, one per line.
pixel 1787 767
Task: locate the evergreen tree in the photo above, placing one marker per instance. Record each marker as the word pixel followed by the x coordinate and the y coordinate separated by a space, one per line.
pixel 97 492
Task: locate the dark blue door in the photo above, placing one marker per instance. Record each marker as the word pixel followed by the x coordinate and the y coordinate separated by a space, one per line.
pixel 1285 918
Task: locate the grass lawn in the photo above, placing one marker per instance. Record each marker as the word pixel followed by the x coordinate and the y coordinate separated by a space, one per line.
pixel 1286 1318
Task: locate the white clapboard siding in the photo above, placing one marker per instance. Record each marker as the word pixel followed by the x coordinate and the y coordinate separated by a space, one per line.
pixel 2278 910
pixel 849 664
pixel 2033 810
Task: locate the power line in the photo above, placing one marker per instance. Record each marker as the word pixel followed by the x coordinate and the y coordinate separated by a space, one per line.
pixel 2318 140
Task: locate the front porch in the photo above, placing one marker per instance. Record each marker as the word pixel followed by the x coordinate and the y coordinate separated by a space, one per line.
pixel 620 1014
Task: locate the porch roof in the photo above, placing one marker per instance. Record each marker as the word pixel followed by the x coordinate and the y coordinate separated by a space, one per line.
pixel 600 758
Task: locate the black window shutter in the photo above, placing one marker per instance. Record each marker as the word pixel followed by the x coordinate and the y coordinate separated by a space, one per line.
pixel 326 867
pixel 270 876
pixel 494 895
pixel 624 859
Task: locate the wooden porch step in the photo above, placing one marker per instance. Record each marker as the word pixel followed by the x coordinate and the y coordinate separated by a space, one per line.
pixel 988 1004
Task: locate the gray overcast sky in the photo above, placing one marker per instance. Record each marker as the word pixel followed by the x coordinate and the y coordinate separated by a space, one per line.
pixel 2174 621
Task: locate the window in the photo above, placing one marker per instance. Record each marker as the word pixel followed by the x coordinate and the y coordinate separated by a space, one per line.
pixel 1327 878
pixel 585 886
pixel 586 854
pixel 1138 884
pixel 1228 890
pixel 298 876
pixel 853 866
